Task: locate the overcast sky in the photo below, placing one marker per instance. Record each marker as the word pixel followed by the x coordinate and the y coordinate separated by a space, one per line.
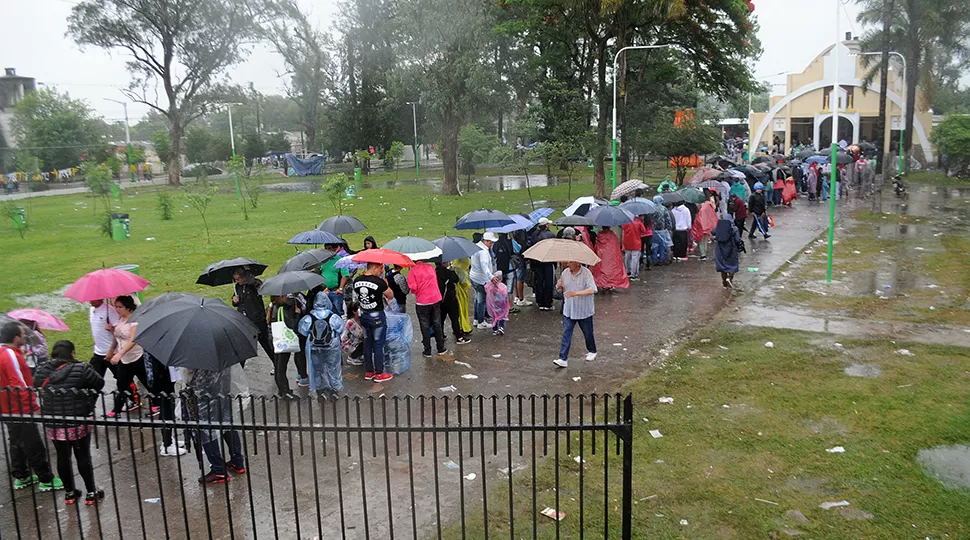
pixel 33 41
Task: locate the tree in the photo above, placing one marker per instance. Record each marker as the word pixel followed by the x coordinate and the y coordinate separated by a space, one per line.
pixel 516 160
pixel 58 130
pixel 198 143
pixel 98 178
pixel 182 47
pixel 336 189
pixel 692 136
pixel 925 32
pixel 393 155
pixel 474 147
pixel 952 139
pixel 304 49
pixel 199 195
pixel 253 146
pixel 162 145
pixel 277 142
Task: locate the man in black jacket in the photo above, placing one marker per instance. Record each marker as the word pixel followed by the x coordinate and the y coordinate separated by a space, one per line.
pixel 544 272
pixel 247 300
pixel 447 281
pixel 757 208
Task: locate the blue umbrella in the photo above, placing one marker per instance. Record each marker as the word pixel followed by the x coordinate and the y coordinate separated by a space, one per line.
pixel 347 263
pixel 521 223
pixel 483 219
pixel 315 237
pixel 639 207
pixel 540 213
pixel 817 159
pixel 609 216
pixel 456 247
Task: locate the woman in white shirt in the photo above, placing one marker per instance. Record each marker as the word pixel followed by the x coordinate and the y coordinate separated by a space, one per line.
pixel 126 355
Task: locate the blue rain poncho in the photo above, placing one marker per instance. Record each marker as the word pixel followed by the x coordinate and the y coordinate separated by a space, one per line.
pixel 323 362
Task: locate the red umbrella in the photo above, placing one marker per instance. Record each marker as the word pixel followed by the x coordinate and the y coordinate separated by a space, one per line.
pixel 105 283
pixel 382 256
pixel 44 320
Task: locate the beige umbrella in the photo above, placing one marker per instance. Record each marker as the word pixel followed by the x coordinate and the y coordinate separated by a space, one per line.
pixel 561 250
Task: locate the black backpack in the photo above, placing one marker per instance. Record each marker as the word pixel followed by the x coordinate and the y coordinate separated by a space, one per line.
pixel 321 334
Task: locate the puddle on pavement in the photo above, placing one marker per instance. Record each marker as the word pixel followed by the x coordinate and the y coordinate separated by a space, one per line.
pixel 868 371
pixel 948 464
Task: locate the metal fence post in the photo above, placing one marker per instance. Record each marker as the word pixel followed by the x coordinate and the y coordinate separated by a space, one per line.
pixel 627 431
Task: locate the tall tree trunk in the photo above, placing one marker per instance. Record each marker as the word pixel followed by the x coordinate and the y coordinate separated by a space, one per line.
pixel 624 157
pixel 912 76
pixel 449 152
pixel 599 152
pixel 887 16
pixel 175 157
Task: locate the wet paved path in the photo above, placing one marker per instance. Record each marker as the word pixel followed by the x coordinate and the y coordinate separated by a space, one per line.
pixel 632 326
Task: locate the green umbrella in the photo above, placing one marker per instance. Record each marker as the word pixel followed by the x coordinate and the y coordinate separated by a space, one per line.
pixel 693 195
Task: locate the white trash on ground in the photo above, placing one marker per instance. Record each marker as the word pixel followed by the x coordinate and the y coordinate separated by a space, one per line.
pixel 831 505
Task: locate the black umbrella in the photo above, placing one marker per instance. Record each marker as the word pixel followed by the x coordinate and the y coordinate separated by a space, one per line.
pixel 761 159
pixel 574 220
pixel 306 260
pixel 339 225
pixel 290 282
pixel 456 247
pixel 843 158
pixel 805 153
pixel 721 161
pixel 195 333
pixel 220 273
pixel 610 216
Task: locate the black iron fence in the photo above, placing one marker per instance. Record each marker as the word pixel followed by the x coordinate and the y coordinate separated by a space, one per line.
pixel 362 467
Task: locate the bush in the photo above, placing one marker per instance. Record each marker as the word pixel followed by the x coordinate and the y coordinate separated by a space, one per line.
pixel 197 169
pixel 34 185
pixel 166 206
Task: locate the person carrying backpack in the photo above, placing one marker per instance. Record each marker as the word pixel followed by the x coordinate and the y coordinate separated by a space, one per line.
pixel 323 328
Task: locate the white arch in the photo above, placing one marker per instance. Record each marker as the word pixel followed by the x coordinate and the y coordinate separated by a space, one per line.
pixel 917 126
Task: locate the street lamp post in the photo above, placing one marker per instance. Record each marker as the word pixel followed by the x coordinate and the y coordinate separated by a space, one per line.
pixel 127 136
pixel 615 59
pixel 417 151
pixel 835 144
pixel 902 127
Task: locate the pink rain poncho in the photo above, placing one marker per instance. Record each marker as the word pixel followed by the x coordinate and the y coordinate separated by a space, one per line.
pixel 497 300
pixel 704 223
pixel 610 272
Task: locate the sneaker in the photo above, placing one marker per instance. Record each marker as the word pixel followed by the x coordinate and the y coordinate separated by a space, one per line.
pixel 304 382
pixel 494 332
pixel 369 376
pixel 703 257
pixel 93 497
pixel 483 325
pixel 516 302
pixel 237 469
pixel 560 363
pixel 174 450
pixel 590 356
pixel 767 236
pixel 111 414
pixel 27 482
pixel 445 355
pixel 464 340
pixel 129 406
pixel 55 484
pixel 501 331
pixel 354 362
pixel 525 303
pixel 71 497
pixel 426 354
pixel 214 478
pixel 383 377
pixel 156 410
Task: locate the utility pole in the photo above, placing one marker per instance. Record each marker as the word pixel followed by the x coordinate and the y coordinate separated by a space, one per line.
pixel 127 136
pixel 417 151
pixel 833 180
pixel 232 141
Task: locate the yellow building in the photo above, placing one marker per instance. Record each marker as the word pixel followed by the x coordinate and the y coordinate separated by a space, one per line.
pixel 804 114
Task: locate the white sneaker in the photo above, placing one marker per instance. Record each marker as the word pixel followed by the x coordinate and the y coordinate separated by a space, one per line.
pixel 174 450
pixel 560 363
pixel 590 356
pixel 525 303
pixel 483 325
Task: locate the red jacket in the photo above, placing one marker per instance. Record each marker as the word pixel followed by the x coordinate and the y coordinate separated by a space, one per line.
pixel 632 233
pixel 15 374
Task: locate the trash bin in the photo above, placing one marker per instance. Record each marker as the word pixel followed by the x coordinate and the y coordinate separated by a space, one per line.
pixel 120 227
pixel 133 268
pixel 19 218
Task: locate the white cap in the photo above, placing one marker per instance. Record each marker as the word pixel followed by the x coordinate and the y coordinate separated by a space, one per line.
pixel 489 237
pixel 544 221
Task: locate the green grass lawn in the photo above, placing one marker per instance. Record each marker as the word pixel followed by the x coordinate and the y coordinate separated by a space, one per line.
pixel 64 240
pixel 936 178
pixel 749 422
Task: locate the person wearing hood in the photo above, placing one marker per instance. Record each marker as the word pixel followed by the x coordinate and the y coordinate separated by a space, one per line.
pixel 609 273
pixel 703 226
pixel 323 329
pixel 69 388
pixel 739 211
pixel 757 208
pixel 247 300
pixel 662 227
pixel 726 241
pixel 544 272
pixel 370 243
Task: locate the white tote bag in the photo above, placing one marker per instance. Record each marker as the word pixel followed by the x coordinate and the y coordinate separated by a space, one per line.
pixel 284 339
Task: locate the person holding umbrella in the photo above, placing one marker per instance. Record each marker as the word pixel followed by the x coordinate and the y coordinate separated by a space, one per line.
pixel 543 271
pixel 482 270
pixel 371 292
pixel 207 400
pixel 126 354
pixel 757 208
pixel 247 300
pixel 578 288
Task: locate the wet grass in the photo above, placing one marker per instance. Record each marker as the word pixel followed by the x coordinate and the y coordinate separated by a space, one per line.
pixel 936 179
pixel 749 422
pixel 64 241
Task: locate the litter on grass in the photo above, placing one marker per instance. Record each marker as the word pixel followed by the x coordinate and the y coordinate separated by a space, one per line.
pixel 469 366
pixel 766 501
pixel 469 376
pixel 579 459
pixel 904 352
pixel 655 433
pixel 835 450
pixel 552 514
pixel 831 505
pixel 724 348
pixel 769 345
pixel 666 400
pixel 684 522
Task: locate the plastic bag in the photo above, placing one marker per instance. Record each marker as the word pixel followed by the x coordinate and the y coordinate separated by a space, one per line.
pixel 284 339
pixel 771 220
pixel 397 357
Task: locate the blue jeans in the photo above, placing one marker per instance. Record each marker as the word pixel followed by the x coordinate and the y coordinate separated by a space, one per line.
pixel 776 196
pixel 479 311
pixel 568 325
pixel 658 249
pixel 375 332
pixel 213 451
pixel 337 299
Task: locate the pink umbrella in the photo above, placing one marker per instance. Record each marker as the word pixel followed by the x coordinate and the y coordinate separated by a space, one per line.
pixel 105 283
pixel 44 320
